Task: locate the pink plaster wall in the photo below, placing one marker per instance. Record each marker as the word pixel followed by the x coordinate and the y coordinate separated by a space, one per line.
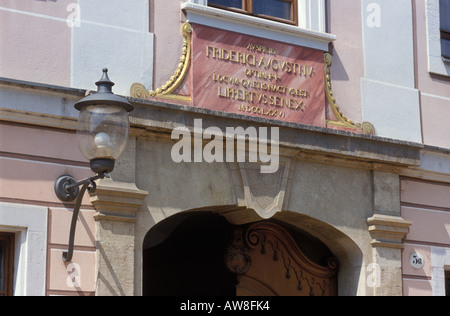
pixel 413 287
pixel 62 276
pixel 427 83
pixel 34 141
pixel 35 41
pixel 430 226
pixel 60 219
pixel 31 159
pixel 416 282
pixel 165 21
pixel 347 68
pixel 436 120
pixel 56 9
pixel 435 90
pixel 33 181
pixel 425 193
pixel 427 206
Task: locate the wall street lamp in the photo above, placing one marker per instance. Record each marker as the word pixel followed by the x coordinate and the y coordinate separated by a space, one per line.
pixel 103 128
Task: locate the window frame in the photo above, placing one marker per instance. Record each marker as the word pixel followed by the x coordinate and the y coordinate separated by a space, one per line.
pixel 248 10
pixel 447 282
pixel 437 64
pixel 445 33
pixel 311 31
pixel 7 269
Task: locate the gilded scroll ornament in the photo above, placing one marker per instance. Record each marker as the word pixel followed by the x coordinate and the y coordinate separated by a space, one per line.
pixel 366 127
pixel 138 90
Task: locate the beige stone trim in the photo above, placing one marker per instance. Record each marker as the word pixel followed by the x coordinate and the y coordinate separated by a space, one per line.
pixel 117 201
pixel 388 231
pixel 116 204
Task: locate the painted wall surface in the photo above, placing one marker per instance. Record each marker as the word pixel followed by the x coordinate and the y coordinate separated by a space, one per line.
pixel 166 18
pixel 389 98
pixel 68 42
pixel 113 34
pixel 348 56
pixel 35 41
pixel 30 208
pixel 381 71
pixel 427 205
pixel 435 91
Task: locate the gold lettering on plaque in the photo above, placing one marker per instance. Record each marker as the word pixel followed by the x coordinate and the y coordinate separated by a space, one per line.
pixel 259 92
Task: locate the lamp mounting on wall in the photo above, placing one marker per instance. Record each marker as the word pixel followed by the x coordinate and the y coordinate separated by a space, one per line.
pixel 103 128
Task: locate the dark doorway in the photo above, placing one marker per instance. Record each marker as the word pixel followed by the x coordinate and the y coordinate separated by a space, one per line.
pixel 190 262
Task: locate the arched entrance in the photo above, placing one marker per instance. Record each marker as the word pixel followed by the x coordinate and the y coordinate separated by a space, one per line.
pixel 202 254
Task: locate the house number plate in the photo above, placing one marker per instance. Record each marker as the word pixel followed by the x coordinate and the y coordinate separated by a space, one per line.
pixel 417 260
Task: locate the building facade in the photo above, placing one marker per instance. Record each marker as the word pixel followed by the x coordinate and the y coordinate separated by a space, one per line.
pixel 294 147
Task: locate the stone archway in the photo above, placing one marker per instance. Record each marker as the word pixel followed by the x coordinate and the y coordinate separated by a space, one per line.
pixel 189 254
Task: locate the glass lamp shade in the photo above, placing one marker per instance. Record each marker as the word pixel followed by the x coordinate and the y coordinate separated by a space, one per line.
pixel 103 131
pixel 103 125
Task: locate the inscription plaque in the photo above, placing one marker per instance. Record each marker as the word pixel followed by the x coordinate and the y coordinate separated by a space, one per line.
pixel 237 73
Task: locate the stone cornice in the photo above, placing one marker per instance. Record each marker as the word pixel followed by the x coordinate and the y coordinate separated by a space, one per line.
pixel 160 117
pixel 152 117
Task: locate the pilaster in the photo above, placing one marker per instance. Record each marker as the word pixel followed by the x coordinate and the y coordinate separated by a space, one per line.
pixel 116 204
pixel 387 233
pixel 387 229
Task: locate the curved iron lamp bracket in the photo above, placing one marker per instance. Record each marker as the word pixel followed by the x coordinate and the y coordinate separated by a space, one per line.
pixel 66 189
